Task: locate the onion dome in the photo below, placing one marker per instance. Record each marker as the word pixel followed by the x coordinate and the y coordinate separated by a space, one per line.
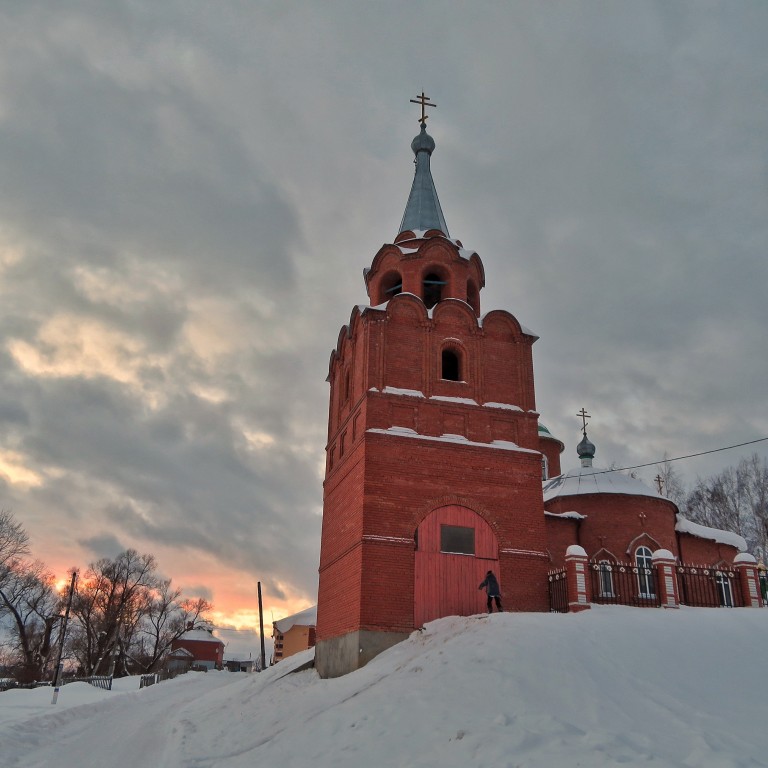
pixel 586 451
pixel 587 480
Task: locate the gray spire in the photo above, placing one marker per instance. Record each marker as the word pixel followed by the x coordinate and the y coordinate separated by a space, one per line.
pixel 423 209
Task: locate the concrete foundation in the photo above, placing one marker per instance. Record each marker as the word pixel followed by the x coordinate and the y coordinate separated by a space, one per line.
pixel 338 656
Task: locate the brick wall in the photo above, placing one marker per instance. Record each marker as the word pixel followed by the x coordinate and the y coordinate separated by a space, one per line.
pixel 615 525
pixel 202 650
pixel 698 551
pixel 379 487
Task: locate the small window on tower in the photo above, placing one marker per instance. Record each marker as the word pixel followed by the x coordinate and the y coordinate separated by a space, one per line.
pixel 457 539
pixel 450 366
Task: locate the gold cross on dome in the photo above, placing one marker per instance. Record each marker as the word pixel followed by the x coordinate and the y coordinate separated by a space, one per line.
pixel 584 416
pixel 425 102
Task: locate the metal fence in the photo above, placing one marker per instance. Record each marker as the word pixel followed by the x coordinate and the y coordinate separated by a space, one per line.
pixel 558 592
pixel 97 681
pixel 624 584
pixel 149 679
pixel 707 586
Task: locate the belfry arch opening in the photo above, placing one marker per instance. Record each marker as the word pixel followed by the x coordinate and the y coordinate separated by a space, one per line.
pixel 433 286
pixel 391 285
pixel 473 297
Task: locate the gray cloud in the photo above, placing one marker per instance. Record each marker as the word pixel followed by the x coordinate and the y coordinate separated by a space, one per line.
pixel 189 199
pixel 104 545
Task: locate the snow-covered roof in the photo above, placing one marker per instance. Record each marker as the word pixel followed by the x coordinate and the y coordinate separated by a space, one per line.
pixel 684 525
pixel 447 399
pixel 545 433
pixel 503 406
pixel 590 480
pixel 178 652
pixel 200 636
pixel 527 331
pixel 305 618
pixel 504 445
pixel 566 515
pixel 363 308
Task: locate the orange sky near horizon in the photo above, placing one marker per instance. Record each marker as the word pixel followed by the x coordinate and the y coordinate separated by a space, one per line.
pixel 233 592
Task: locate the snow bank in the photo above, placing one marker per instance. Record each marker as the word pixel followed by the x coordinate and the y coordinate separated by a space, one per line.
pixel 606 687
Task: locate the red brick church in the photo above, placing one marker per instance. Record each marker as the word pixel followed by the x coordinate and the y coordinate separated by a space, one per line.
pixel 436 457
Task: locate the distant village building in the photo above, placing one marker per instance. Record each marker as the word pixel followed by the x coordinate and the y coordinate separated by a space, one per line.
pixel 180 660
pixel 239 665
pixel 205 649
pixel 438 469
pixel 294 633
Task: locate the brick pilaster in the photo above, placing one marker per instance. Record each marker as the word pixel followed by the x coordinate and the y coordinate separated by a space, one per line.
pixel 577 574
pixel 746 566
pixel 664 563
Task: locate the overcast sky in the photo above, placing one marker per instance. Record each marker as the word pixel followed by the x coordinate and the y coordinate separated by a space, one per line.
pixel 189 192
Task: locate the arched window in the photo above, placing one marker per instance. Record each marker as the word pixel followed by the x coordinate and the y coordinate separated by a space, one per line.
pixel 450 365
pixel 606 579
pixel 433 289
pixel 644 563
pixel 391 285
pixel 724 590
pixel 544 468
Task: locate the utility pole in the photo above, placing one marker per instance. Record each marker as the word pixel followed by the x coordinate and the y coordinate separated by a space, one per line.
pixel 261 632
pixel 57 673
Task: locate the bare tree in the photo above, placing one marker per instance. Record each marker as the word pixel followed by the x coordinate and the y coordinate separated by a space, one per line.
pixel 28 599
pixel 28 595
pixel 110 601
pixel 735 500
pixel 671 483
pixel 167 618
pixel 14 540
pixel 755 473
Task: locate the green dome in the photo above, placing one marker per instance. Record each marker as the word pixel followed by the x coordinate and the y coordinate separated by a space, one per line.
pixel 544 432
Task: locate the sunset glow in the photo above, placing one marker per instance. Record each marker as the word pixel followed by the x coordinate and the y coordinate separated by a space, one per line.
pixel 190 199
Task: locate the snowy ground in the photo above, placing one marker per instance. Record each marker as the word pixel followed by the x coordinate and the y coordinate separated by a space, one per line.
pixel 608 687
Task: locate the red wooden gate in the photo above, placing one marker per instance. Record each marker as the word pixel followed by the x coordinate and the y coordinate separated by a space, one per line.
pixel 445 582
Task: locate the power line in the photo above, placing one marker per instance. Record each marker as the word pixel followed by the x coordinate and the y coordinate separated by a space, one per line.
pixel 680 458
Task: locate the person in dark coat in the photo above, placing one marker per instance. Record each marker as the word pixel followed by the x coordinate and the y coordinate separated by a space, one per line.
pixel 492 590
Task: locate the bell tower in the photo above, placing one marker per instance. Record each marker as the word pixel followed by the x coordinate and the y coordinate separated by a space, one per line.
pixel 433 470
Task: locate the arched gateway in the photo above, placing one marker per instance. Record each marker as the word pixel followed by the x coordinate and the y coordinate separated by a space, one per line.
pixel 455 548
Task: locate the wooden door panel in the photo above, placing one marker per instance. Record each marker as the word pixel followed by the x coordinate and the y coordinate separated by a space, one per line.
pixel 445 584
